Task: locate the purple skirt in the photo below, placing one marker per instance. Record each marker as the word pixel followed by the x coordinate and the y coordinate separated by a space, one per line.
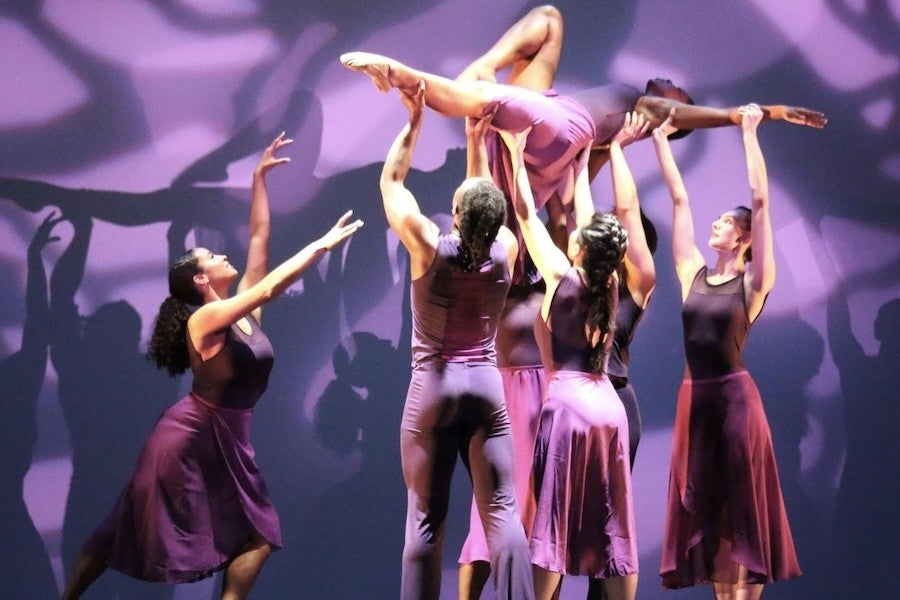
pixel 725 508
pixel 584 519
pixel 194 500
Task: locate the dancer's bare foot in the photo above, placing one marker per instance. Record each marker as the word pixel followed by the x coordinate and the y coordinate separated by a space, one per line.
pixel 374 65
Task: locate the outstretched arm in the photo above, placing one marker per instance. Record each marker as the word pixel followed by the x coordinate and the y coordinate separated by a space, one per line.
pixel 690 116
pixel 640 271
pixel 684 248
pixel 207 322
pixel 762 267
pixel 260 224
pixel 476 151
pixel 417 233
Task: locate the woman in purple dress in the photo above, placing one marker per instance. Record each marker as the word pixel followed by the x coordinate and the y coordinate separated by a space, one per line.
pixel 196 502
pixel 584 516
pixel 726 523
pixel 455 405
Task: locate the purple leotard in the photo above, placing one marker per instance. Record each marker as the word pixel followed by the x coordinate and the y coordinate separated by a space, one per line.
pixel 196 496
pixel 454 407
pixel 725 507
pixel 584 520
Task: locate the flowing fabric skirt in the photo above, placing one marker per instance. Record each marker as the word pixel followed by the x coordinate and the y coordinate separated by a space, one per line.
pixel 584 519
pixel 194 500
pixel 725 507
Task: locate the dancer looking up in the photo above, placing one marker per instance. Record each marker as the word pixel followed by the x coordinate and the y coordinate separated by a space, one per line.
pixel 726 523
pixel 454 406
pixel 196 503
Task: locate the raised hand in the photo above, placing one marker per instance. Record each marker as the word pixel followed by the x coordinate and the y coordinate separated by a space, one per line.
pixel 665 129
pixel 341 231
pixel 635 128
pixel 751 116
pixel 268 158
pixel 415 101
pixel 42 236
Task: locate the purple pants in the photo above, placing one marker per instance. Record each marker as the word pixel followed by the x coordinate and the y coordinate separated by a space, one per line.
pixel 458 409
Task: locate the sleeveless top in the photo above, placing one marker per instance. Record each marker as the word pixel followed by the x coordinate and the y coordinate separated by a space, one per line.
pixel 607 106
pixel 455 312
pixel 628 313
pixel 561 339
pixel 715 326
pixel 238 375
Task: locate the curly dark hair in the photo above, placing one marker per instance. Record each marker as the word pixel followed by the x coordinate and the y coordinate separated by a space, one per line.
pixel 604 241
pixel 482 210
pixel 168 344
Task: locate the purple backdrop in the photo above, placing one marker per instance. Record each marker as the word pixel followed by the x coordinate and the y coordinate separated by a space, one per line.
pixel 139 124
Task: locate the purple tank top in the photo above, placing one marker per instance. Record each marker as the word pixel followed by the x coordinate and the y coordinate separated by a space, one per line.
pixel 562 339
pixel 238 375
pixel 456 312
pixel 715 326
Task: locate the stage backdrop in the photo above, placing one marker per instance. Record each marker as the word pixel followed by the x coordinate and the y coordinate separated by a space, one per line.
pixel 129 131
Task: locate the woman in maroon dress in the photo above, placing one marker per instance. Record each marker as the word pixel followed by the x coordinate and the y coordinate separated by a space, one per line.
pixel 726 522
pixel 196 502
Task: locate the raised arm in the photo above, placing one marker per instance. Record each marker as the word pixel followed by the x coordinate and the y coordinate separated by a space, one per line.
pixel 551 262
pixel 762 267
pixel 684 248
pixel 640 271
pixel 260 223
pixel 476 151
pixel 207 322
pixel 417 233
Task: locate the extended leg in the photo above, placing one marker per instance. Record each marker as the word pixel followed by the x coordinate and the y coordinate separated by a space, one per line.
pixel 86 571
pixel 446 96
pixel 532 47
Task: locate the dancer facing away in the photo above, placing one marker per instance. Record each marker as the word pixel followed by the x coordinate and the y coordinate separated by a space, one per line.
pixel 726 521
pixel 196 503
pixel 569 136
pixel 524 378
pixel 584 517
pixel 455 403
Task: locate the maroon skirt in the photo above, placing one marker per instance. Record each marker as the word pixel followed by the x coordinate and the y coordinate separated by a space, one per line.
pixel 725 508
pixel 194 500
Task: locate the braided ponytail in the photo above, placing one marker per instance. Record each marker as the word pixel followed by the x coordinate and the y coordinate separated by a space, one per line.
pixel 482 210
pixel 605 241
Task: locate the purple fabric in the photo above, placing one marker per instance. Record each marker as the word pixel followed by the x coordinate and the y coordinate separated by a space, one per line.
pixel 561 130
pixel 455 406
pixel 523 389
pixel 584 518
pixel 196 496
pixel 725 507
pixel 455 312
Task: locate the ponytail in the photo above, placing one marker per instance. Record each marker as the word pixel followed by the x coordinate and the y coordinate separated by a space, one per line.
pixel 168 344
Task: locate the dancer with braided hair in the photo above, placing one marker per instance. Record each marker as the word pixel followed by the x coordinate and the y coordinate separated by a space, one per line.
pixel 584 517
pixel 455 404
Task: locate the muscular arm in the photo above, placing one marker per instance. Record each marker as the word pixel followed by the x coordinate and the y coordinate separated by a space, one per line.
pixel 417 233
